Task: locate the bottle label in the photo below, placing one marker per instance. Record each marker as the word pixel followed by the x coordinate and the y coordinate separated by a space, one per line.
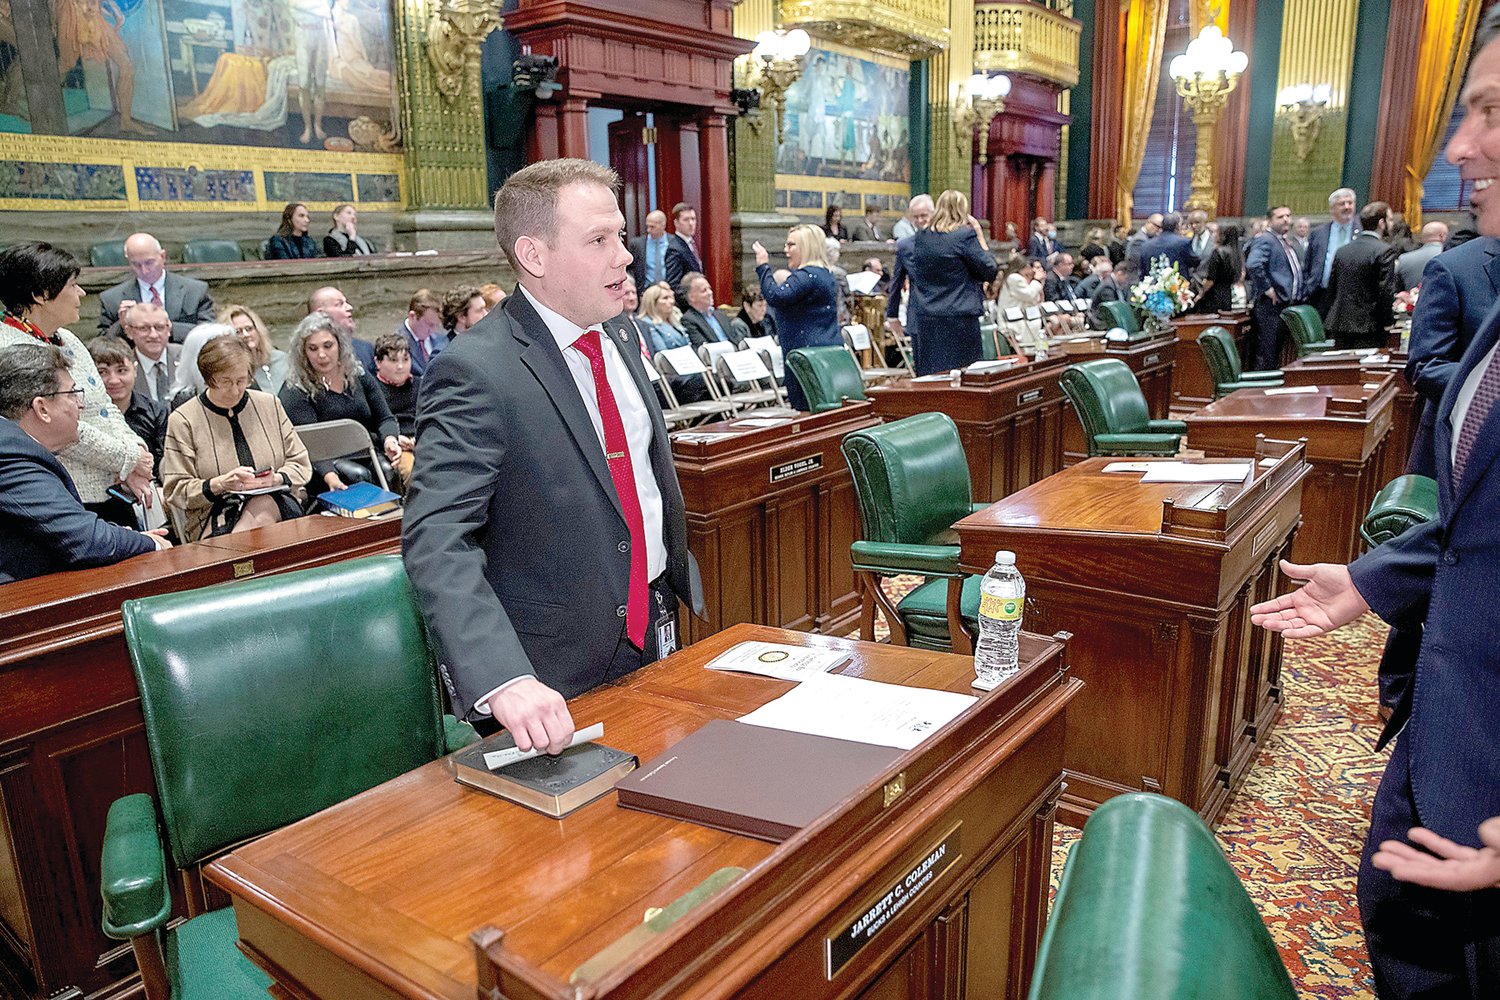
pixel 1000 609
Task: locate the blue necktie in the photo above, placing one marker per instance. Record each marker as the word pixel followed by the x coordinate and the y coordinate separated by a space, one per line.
pixel 718 330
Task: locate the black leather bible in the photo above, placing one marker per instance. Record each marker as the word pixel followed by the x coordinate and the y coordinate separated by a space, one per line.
pixel 553 786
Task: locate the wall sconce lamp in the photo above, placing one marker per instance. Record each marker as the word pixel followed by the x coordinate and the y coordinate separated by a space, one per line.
pixel 1305 106
pixel 980 99
pixel 1205 75
pixel 776 64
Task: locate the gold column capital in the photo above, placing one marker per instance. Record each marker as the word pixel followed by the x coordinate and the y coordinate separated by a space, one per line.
pixel 455 31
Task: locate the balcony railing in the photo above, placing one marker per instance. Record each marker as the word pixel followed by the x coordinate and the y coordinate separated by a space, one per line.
pixel 1032 39
pixel 914 29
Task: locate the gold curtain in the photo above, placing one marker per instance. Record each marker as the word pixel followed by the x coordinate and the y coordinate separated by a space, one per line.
pixel 1145 35
pixel 1447 30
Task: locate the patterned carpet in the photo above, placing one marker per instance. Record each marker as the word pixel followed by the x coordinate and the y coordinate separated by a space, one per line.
pixel 1295 829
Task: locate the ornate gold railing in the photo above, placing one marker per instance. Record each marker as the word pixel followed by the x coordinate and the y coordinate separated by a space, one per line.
pixel 915 29
pixel 1029 38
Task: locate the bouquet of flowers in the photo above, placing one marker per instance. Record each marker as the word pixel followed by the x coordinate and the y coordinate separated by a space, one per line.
pixel 1163 293
pixel 1407 301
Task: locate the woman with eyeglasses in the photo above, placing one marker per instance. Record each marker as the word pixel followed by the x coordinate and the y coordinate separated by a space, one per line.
pixel 270 362
pixel 232 460
pixel 40 292
pixel 806 303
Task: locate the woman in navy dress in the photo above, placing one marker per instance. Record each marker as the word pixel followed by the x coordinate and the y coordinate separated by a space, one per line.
pixel 806 303
pixel 951 264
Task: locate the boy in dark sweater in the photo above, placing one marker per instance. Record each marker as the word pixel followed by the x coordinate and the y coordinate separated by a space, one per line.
pixel 393 372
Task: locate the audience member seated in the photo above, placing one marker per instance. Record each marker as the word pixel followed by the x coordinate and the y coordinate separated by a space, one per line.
pixel 117 366
pixel 833 224
pixel 226 444
pixel 661 322
pixel 876 266
pixel 331 302
pixel 186 300
pixel 1020 288
pixel 147 329
pixel 343 240
pixel 870 229
pixel 399 384
pixel 1093 245
pixel 291 241
pixel 493 294
pixel 754 318
pixel 1099 269
pixel 701 321
pixel 189 381
pixel 1115 288
pixel 423 329
pixel 326 383
pixel 40 292
pixel 44 527
pixel 462 308
pixel 1059 283
pixel 270 361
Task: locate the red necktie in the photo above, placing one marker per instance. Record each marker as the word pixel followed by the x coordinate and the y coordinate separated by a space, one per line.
pixel 155 296
pixel 617 454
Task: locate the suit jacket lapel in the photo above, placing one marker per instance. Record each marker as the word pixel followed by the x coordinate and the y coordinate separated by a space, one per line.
pixel 1492 265
pixel 540 353
pixel 1487 444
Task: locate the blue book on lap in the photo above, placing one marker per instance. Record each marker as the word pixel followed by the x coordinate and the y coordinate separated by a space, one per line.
pixel 360 500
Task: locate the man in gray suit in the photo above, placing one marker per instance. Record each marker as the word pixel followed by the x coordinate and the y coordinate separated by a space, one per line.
pixel 1410 264
pixel 186 300
pixel 545 531
pixel 147 328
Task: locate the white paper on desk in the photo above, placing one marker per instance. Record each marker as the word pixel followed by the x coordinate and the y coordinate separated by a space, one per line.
pixel 1266 463
pixel 852 708
pixel 1291 390
pixel 703 437
pixel 762 421
pixel 775 659
pixel 496 759
pixel 1128 466
pixel 859 336
pixel 1372 385
pixel 932 378
pixel 1375 359
pixel 863 282
pixel 1186 472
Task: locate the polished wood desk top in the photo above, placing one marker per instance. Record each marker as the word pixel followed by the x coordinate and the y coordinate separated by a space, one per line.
pixel 1342 422
pixel 1304 371
pixel 395 880
pixel 741 434
pixel 943 389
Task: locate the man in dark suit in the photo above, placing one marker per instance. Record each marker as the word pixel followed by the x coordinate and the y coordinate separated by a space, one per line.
pixel 422 329
pixel 331 302
pixel 1361 284
pixel 1273 281
pixel 704 323
pixel 1322 243
pixel 44 527
pixel 869 229
pixel 146 329
pixel 186 300
pixel 1113 287
pixel 1060 283
pixel 648 252
pixel 1444 772
pixel 1136 241
pixel 902 286
pixel 1043 242
pixel 544 531
pixel 682 251
pixel 1169 243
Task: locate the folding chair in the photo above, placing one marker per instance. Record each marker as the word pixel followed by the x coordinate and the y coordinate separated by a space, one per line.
pixel 334 439
pixel 676 362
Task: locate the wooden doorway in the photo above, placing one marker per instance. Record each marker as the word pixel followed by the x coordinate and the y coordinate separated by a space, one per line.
pixel 630 156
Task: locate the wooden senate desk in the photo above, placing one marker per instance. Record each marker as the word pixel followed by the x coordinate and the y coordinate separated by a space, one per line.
pixel 71 738
pixel 1155 581
pixel 1153 361
pixel 1405 416
pixel 422 888
pixel 1192 386
pixel 1346 427
pixel 771 514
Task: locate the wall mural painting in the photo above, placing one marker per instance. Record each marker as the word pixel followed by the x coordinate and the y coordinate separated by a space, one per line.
pixel 305 74
pixel 847 117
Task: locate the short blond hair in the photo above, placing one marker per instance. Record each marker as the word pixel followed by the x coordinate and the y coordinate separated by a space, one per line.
pixel 952 212
pixel 809 239
pixel 526 204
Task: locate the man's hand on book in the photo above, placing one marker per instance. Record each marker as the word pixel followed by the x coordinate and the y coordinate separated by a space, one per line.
pixel 534 714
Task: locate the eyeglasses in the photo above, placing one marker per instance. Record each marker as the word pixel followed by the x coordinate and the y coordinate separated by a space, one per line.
pixel 153 327
pixel 77 390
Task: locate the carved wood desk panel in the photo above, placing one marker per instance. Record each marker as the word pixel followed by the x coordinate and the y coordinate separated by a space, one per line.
pixel 382 895
pixel 1155 581
pixel 1405 414
pixel 71 738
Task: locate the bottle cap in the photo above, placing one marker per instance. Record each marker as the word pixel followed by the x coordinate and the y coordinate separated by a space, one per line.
pixel 1004 558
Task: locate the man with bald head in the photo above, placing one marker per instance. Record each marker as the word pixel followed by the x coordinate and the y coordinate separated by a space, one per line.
pixel 186 300
pixel 331 303
pixel 648 253
pixel 1410 264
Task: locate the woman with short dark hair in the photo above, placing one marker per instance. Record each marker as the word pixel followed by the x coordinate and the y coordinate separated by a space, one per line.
pixel 291 241
pixel 754 318
pixel 833 224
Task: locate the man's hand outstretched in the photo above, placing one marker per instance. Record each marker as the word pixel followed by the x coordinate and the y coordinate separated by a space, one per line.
pixel 1327 600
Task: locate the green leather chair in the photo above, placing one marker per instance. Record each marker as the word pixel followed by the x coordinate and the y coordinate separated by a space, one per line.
pixel 829 375
pixel 1148 908
pixel 1223 361
pixel 264 701
pixel 1123 315
pixel 1305 327
pixel 110 253
pixel 1112 408
pixel 1402 503
pixel 212 252
pixel 994 342
pixel 911 478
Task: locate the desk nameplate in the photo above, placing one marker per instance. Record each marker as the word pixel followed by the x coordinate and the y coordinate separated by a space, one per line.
pixel 796 467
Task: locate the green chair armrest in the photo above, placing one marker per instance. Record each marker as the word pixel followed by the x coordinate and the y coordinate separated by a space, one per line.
pixel 1167 426
pixel 1319 345
pixel 892 559
pixel 133 870
pixel 457 734
pixel 1137 444
pixel 1225 388
pixel 1263 376
pixel 1403 503
pixel 975 508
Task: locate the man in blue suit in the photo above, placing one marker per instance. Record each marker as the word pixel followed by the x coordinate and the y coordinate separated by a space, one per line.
pixel 1171 244
pixel 1273 281
pixel 1323 243
pixel 44 528
pixel 1444 773
pixel 423 329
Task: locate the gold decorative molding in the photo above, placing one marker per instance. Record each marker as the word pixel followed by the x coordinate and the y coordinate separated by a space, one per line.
pixel 455 31
pixel 914 29
pixel 1026 38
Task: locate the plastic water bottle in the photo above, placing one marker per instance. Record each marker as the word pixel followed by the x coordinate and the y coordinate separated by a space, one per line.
pixel 1002 597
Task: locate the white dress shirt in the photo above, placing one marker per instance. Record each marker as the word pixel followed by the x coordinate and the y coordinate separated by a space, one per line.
pixel 1465 399
pixel 161 289
pixel 146 379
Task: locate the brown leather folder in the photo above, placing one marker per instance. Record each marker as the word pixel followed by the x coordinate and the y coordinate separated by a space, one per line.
pixel 753 781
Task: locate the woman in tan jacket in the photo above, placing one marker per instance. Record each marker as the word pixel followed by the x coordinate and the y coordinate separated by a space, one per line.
pixel 232 459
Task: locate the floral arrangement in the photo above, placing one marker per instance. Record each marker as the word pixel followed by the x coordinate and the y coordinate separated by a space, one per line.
pixel 1163 293
pixel 1407 301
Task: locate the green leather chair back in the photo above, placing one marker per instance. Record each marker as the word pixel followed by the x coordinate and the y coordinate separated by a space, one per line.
pixel 912 479
pixel 211 252
pixel 989 348
pixel 1123 315
pixel 110 253
pixel 1305 325
pixel 1220 355
pixel 1402 503
pixel 1149 909
pixel 1107 397
pixel 829 375
pixel 270 699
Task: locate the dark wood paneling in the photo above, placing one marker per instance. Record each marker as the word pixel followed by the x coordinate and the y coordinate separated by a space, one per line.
pixel 1106 128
